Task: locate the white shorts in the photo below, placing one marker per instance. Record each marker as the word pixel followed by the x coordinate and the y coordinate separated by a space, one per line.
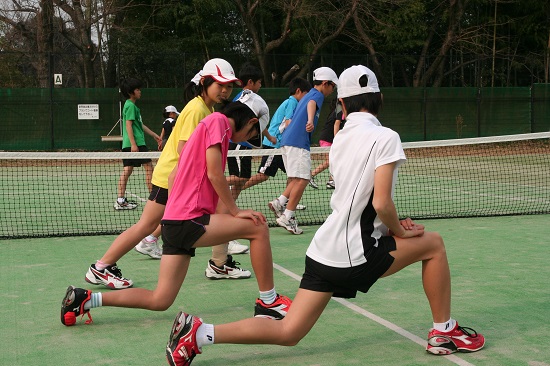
pixel 297 162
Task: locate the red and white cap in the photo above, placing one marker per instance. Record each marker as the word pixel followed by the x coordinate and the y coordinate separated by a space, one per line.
pixel 221 71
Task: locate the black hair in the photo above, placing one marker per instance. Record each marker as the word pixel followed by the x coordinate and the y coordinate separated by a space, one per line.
pixel 372 102
pixel 250 72
pixel 317 82
pixel 127 86
pixel 192 90
pixel 298 83
pixel 241 114
pixel 165 114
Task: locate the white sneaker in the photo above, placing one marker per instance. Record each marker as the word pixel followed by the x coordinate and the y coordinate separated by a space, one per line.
pixel 236 248
pixel 290 225
pixel 276 207
pixel 125 205
pixel 228 271
pixel 330 184
pixel 150 248
pixel 299 206
pixel 313 184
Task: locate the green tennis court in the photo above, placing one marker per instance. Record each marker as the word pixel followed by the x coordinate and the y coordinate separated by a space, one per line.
pixel 500 288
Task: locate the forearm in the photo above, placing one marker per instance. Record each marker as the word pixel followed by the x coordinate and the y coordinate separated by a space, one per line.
pixel 219 182
pixel 150 132
pixel 388 215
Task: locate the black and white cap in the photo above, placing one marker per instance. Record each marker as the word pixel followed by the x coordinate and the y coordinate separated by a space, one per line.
pixel 357 80
pixel 258 106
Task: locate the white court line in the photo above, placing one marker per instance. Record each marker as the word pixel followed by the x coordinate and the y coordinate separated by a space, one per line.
pixel 422 342
pixel 137 197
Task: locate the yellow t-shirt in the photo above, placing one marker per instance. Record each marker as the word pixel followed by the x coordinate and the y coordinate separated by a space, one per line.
pixel 186 123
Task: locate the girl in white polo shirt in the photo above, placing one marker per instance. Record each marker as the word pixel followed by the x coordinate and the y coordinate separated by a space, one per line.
pixel 362 240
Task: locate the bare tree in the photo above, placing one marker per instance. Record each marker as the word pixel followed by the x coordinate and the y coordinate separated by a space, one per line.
pixel 254 28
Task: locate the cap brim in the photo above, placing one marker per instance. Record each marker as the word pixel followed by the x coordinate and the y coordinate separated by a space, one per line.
pixel 223 80
pixel 257 142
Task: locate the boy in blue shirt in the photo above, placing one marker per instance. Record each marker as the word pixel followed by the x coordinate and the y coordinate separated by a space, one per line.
pixel 296 142
pixel 270 164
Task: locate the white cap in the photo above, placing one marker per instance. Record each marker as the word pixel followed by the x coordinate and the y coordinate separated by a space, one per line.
pixel 350 83
pixel 325 74
pixel 221 71
pixel 197 78
pixel 171 108
pixel 257 105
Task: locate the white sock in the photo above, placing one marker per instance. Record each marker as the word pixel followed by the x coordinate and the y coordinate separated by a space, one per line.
pixel 100 266
pixel 289 214
pixel 120 199
pixel 268 297
pixel 96 300
pixel 151 238
pixel 282 200
pixel 445 327
pixel 205 335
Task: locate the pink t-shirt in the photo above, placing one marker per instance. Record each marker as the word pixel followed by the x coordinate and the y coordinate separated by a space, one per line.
pixel 192 195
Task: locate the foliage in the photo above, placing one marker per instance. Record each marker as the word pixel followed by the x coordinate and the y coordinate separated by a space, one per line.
pixel 165 42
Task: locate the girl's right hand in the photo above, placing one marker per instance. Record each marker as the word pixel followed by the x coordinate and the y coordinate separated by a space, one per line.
pixel 255 216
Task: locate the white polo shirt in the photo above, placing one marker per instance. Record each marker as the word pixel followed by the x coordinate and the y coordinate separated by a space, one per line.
pixel 353 227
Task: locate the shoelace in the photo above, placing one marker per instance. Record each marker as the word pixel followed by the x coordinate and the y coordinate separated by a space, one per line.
pixel 114 270
pixel 231 263
pixel 468 333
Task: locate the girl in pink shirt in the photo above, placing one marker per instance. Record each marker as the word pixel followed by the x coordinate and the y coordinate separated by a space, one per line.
pixel 192 219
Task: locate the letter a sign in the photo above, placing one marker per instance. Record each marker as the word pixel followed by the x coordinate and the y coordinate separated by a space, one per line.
pixel 58 79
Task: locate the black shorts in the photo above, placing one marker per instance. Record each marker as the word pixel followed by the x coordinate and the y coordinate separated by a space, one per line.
pixel 179 236
pixel 271 164
pixel 345 282
pixel 135 162
pixel 241 166
pixel 159 195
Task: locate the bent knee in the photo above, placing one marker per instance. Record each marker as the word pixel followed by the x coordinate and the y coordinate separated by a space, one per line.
pixel 437 242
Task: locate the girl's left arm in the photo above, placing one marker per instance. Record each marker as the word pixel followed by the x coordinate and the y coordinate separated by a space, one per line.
pixel 214 169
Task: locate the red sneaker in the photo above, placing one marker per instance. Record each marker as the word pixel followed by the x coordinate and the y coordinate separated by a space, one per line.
pixel 276 311
pixel 182 345
pixel 460 339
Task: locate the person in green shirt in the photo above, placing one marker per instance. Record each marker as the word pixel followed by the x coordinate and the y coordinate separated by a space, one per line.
pixel 133 140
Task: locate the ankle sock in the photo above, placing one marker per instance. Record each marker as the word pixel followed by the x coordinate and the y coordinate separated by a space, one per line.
pixel 268 297
pixel 445 327
pixel 96 300
pixel 100 266
pixel 289 214
pixel 151 238
pixel 205 335
pixel 282 200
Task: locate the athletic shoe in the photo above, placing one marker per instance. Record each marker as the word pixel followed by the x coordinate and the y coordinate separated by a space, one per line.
pixel 125 205
pixel 313 184
pixel 110 277
pixel 150 248
pixel 276 311
pixel 228 271
pixel 300 207
pixel 461 339
pixel 290 225
pixel 182 345
pixel 276 207
pixel 73 305
pixel 330 184
pixel 235 247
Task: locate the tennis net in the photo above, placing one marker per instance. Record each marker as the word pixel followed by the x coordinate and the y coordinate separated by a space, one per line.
pixel 72 193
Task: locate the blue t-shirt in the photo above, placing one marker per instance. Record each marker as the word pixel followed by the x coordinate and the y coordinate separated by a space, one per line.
pixel 284 112
pixel 295 134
